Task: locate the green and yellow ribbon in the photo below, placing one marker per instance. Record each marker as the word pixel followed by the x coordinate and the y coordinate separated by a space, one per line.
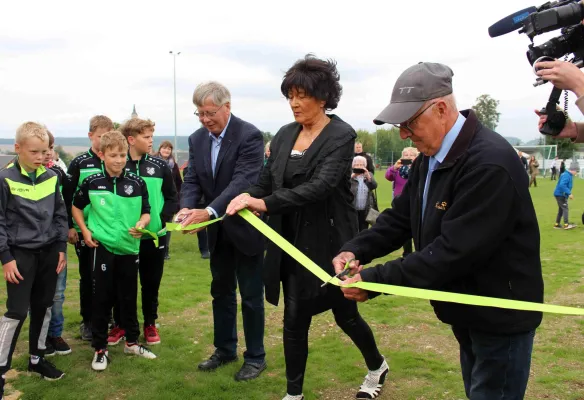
pixel 403 291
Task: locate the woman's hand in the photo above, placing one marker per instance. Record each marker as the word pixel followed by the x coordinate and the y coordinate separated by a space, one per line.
pixel 397 164
pixel 246 201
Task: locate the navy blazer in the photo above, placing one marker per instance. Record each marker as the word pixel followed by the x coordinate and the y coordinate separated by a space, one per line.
pixel 238 166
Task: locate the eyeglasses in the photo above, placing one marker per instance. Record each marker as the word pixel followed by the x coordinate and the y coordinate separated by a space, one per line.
pixel 208 114
pixel 406 126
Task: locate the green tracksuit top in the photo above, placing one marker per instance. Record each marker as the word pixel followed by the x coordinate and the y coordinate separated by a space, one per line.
pixel 162 194
pixel 81 167
pixel 115 205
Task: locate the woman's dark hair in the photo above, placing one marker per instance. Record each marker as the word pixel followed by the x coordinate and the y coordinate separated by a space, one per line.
pixel 318 78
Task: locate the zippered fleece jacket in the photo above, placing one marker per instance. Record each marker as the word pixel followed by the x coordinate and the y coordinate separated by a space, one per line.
pixel 32 215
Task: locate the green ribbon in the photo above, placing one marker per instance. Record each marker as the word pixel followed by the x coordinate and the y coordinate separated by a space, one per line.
pixel 172 226
pixel 147 232
pixel 403 291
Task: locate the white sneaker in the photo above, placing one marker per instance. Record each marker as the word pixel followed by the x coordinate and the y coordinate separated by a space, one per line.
pixel 290 397
pixel 371 387
pixel 100 360
pixel 139 350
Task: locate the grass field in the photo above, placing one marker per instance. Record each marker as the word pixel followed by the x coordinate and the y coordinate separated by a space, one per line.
pixel 421 351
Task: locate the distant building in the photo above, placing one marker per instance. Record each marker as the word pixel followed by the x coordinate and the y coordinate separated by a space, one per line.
pixel 134 113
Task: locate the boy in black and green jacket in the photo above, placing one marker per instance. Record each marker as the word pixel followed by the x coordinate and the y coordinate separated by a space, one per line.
pixel 163 200
pixel 81 167
pixel 118 207
pixel 33 239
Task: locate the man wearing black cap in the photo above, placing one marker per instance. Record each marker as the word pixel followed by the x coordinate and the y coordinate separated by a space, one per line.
pixel 468 209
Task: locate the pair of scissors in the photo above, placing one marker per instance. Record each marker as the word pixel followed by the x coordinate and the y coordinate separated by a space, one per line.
pixel 346 271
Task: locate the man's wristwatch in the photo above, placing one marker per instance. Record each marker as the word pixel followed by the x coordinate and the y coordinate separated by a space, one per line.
pixel 210 212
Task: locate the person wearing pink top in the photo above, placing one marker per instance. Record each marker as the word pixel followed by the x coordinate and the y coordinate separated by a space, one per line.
pixel 398 174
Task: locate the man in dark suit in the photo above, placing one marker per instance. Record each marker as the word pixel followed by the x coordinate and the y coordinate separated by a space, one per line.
pixel 225 158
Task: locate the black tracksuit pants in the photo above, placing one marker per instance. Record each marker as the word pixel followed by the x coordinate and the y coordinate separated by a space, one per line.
pixel 151 268
pixel 115 277
pixel 36 291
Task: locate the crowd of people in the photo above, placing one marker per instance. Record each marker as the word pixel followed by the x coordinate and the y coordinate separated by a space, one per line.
pixel 461 195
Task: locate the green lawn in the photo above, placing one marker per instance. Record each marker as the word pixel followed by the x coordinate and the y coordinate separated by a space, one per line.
pixel 422 352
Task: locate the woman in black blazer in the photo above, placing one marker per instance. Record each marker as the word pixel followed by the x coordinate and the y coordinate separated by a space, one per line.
pixel 305 189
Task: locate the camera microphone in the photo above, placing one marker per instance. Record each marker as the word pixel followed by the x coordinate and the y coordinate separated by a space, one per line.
pixel 510 23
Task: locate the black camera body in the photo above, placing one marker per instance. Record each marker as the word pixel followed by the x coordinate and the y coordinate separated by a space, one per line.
pixel 566 15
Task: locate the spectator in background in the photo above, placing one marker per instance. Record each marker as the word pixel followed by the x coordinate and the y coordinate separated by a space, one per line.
pixel 533 171
pixel 165 152
pixel 399 174
pixel 359 152
pixel 267 152
pixel 562 193
pixel 57 160
pixel 362 186
pixel 523 161
pixel 554 169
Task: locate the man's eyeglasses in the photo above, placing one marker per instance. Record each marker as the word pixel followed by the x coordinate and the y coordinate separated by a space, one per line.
pixel 406 126
pixel 208 114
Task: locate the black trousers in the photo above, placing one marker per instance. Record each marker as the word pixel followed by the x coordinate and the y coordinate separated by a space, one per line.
pixel 36 291
pixel 85 280
pixel 361 215
pixel 115 277
pixel 151 269
pixel 229 267
pixel 298 315
pixel 407 247
pixel 554 173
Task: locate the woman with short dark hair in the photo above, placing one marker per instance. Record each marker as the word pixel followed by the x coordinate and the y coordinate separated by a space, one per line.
pixel 305 189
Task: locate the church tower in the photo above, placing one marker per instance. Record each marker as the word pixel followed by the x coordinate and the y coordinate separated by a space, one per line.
pixel 134 113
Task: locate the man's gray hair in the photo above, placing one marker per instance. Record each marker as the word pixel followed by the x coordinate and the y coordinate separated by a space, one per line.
pixel 219 94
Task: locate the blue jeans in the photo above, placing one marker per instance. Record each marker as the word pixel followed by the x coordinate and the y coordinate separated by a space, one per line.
pixel 57 318
pixel 494 367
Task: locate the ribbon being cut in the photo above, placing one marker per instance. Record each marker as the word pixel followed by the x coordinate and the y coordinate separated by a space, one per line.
pixel 383 288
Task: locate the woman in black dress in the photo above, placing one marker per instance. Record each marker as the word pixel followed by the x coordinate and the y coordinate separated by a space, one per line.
pixel 305 189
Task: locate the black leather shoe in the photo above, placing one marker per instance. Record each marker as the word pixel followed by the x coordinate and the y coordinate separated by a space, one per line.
pixel 215 361
pixel 250 371
pixel 205 255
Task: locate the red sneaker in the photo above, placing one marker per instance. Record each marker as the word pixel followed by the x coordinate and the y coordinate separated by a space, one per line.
pixel 115 335
pixel 151 335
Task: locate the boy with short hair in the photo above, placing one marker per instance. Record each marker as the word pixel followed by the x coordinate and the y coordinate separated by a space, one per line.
pixel 163 200
pixel 119 207
pixel 80 168
pixel 55 343
pixel 563 192
pixel 33 238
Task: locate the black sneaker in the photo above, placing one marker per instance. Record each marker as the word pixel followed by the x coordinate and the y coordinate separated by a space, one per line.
pixel 45 369
pixel 59 346
pixel 50 350
pixel 85 331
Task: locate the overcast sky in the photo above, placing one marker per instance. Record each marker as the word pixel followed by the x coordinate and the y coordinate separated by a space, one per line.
pixel 63 61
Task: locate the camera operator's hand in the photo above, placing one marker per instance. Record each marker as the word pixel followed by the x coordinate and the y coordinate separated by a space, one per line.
pixel 563 75
pixel 397 164
pixel 569 131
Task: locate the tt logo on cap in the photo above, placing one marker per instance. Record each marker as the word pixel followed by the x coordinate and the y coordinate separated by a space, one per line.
pixel 401 89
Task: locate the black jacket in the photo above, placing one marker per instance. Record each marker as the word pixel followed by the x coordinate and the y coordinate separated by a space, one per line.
pixel 479 236
pixel 326 217
pixel 238 166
